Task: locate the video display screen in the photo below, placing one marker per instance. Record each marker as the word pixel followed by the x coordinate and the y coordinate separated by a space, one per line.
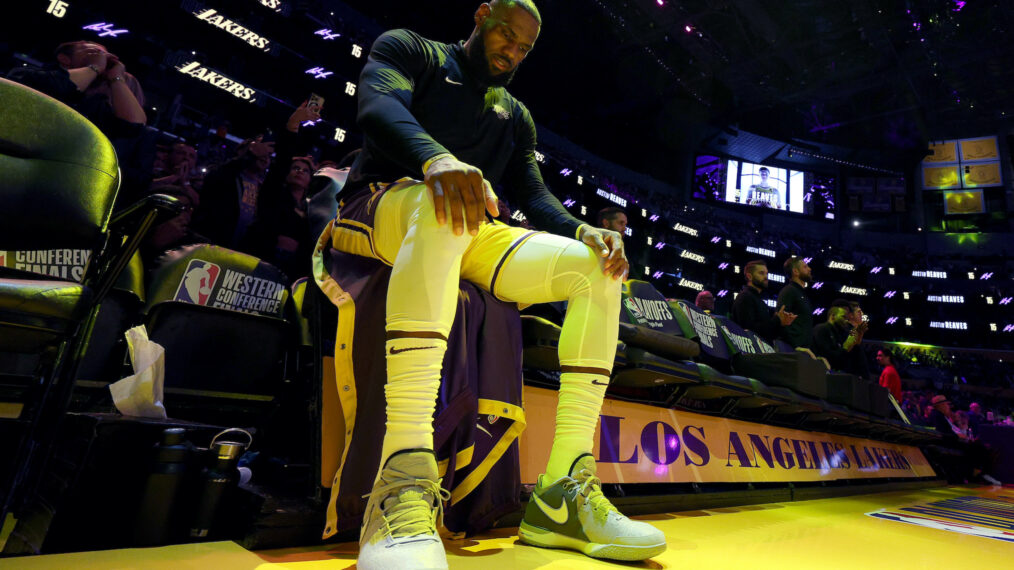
pixel 718 179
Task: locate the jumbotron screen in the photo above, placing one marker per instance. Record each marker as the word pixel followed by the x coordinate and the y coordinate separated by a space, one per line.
pixel 718 179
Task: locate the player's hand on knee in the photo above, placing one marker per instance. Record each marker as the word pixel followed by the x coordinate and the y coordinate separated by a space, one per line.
pixel 459 187
pixel 608 244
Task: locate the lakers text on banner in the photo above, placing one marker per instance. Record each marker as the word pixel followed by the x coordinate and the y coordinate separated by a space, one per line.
pixel 636 443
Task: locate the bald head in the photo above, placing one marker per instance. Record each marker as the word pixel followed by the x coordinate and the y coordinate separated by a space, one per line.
pixel 527 5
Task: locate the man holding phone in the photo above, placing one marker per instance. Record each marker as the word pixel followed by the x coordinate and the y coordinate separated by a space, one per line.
pixel 441 131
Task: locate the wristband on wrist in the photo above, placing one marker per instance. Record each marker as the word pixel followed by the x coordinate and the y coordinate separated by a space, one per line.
pixel 94 68
pixel 426 165
pixel 577 234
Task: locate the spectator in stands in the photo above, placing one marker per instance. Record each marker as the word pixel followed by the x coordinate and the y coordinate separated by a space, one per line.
pixel 705 301
pixel 284 234
pixel 175 232
pixel 179 165
pixel 96 84
pixel 942 418
pixel 833 340
pixel 749 310
pixel 93 81
pixel 231 193
pixel 889 378
pixel 793 299
pixel 976 457
pixel 613 218
pixel 858 363
pixel 975 418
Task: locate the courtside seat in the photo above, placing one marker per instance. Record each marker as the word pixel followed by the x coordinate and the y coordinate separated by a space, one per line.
pixel 782 346
pixel 842 388
pixel 541 340
pixel 640 375
pixel 223 318
pixel 103 363
pixel 716 393
pixel 698 326
pixel 880 403
pixel 766 400
pixel 58 182
pixel 647 321
pixel 793 370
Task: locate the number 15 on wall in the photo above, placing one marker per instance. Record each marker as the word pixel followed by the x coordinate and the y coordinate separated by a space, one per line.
pixel 57 8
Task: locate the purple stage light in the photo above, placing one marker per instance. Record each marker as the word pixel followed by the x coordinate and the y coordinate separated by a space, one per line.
pixel 105 30
pixel 319 72
pixel 327 34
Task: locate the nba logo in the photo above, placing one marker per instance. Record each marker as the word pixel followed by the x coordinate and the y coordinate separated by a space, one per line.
pixel 636 311
pixel 197 282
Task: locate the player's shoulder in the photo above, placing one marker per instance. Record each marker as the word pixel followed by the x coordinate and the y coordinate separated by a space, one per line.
pixel 405 40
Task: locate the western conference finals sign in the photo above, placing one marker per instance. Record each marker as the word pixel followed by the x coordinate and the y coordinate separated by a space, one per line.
pixel 635 443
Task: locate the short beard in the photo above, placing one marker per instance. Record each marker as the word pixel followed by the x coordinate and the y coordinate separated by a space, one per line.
pixel 475 54
pixel 761 285
pixel 806 278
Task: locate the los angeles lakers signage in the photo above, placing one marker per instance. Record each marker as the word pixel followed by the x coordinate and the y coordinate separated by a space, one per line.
pixel 197 71
pixel 213 17
pixel 636 443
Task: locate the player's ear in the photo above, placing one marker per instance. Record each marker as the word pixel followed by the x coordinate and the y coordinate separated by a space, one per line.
pixel 482 13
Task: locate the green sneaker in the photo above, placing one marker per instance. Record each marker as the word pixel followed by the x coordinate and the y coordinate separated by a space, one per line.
pixel 572 512
pixel 400 524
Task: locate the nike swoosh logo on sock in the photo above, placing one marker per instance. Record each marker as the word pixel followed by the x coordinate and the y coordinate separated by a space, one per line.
pixel 559 515
pixel 600 383
pixel 451 81
pixel 400 350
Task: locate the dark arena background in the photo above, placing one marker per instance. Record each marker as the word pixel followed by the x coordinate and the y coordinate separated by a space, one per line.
pixel 872 141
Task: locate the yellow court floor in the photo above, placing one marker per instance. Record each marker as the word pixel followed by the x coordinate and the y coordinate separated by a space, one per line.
pixel 819 534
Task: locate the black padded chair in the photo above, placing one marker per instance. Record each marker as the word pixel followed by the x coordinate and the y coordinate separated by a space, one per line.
pixel 105 361
pixel 223 318
pixel 58 182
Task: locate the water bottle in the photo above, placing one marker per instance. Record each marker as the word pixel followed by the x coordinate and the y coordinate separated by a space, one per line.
pixel 153 523
pixel 218 478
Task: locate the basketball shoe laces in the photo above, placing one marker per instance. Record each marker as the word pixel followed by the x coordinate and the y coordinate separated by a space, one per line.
pixel 590 488
pixel 406 511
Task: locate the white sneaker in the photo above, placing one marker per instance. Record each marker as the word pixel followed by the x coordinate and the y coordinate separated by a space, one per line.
pixel 991 480
pixel 400 524
pixel 584 519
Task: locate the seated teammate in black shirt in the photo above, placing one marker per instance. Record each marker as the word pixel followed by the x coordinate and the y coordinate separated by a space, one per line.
pixel 836 339
pixel 749 310
pixel 440 132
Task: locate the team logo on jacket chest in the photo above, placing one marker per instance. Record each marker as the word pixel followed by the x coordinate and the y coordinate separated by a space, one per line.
pixel 501 112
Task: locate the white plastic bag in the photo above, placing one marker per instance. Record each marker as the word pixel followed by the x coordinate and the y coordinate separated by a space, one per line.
pixel 141 394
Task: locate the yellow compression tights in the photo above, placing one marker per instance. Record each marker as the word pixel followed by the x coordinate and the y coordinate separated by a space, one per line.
pixel 422 299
